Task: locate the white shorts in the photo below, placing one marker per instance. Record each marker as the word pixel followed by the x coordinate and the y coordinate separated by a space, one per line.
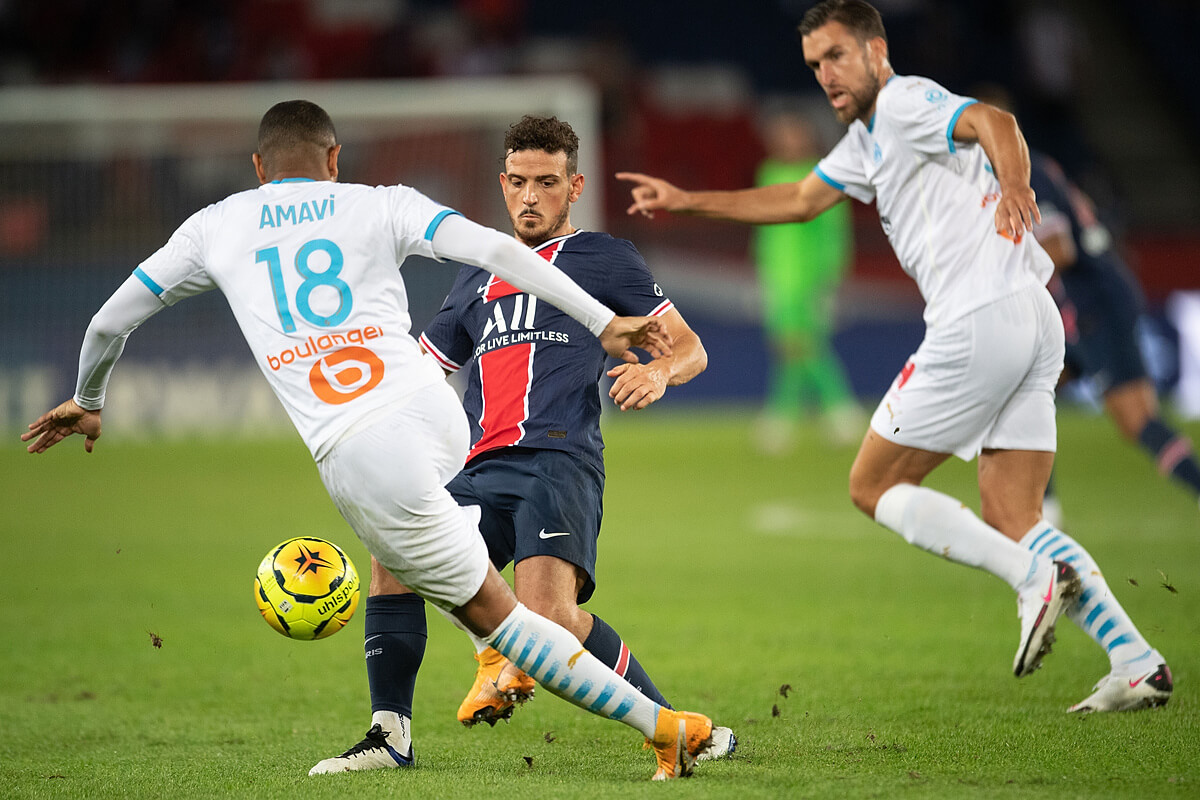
pixel 985 381
pixel 388 480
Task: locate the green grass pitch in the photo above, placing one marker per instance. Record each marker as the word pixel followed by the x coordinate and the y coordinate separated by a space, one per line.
pixel 850 664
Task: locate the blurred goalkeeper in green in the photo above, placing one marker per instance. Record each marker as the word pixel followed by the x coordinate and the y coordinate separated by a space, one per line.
pixel 800 266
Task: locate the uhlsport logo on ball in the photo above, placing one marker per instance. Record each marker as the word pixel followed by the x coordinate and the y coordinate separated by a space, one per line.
pixel 306 588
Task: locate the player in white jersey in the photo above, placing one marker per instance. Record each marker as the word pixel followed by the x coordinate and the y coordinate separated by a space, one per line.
pixel 950 178
pixel 310 268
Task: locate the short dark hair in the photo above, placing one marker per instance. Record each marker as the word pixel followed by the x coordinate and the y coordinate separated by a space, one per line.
pixel 859 16
pixel 550 134
pixel 295 129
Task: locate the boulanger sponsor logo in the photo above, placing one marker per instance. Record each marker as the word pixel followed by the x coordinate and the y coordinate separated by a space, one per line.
pixel 313 346
pixel 343 368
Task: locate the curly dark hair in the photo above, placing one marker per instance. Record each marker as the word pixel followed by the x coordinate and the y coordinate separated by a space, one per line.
pixel 859 16
pixel 549 134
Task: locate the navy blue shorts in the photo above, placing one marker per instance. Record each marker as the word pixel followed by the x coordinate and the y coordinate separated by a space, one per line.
pixel 535 503
pixel 1104 346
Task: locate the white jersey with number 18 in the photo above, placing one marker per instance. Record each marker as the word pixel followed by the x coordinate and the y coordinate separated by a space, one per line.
pixel 936 200
pixel 311 272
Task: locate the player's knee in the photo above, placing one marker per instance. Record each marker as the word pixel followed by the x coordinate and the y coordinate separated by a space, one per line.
pixel 561 610
pixel 1014 523
pixel 864 493
pixel 384 582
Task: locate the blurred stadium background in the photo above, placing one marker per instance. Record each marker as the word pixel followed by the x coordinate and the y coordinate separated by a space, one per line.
pixel 120 118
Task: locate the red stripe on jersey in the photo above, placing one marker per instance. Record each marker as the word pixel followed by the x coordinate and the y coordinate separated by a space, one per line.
pixel 661 308
pixel 439 356
pixel 550 251
pixel 622 661
pixel 505 376
pixel 496 288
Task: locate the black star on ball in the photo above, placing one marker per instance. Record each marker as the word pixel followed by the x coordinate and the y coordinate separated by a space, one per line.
pixel 310 560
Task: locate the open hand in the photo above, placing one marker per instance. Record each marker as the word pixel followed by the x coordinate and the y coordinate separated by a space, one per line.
pixel 622 333
pixel 59 423
pixel 1016 213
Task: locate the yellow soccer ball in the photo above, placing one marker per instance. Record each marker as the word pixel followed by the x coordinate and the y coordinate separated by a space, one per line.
pixel 306 588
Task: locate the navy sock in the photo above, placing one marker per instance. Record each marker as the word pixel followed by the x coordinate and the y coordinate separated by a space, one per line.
pixel 394 640
pixel 1173 453
pixel 605 644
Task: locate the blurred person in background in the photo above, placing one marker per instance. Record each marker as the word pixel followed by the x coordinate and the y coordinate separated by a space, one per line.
pixel 1101 304
pixel 800 267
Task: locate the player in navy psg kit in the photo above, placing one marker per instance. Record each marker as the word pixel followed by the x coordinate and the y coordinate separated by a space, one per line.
pixel 535 470
pixel 1101 302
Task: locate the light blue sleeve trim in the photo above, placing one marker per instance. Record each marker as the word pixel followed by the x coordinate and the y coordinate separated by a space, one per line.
pixel 433 226
pixel 841 187
pixel 146 279
pixel 954 121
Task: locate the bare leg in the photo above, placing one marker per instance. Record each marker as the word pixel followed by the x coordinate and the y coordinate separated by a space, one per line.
pixel 549 586
pixel 1131 405
pixel 1011 486
pixel 881 464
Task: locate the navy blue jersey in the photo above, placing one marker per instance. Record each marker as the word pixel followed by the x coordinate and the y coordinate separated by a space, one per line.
pixel 533 380
pixel 1100 299
pixel 1096 263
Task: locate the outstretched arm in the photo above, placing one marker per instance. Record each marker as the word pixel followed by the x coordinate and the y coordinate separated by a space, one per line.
pixel 460 239
pixel 784 202
pixel 638 385
pixel 130 305
pixel 1000 136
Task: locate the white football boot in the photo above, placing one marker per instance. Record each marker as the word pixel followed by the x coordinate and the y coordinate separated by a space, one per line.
pixel 373 752
pixel 1040 602
pixel 1148 688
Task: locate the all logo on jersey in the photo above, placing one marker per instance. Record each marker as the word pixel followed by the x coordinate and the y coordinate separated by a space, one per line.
pixel 522 316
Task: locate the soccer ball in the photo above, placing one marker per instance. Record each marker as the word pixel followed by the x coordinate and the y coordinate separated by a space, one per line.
pixel 306 588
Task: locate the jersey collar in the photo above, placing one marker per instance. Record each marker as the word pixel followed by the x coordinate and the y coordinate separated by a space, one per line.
pixel 871 122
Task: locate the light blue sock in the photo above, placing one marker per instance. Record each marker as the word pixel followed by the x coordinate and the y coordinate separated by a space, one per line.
pixel 1096 611
pixel 552 656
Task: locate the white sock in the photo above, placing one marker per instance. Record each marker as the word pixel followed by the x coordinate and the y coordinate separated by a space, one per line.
pixel 480 644
pixel 398 728
pixel 945 527
pixel 553 657
pixel 1096 611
